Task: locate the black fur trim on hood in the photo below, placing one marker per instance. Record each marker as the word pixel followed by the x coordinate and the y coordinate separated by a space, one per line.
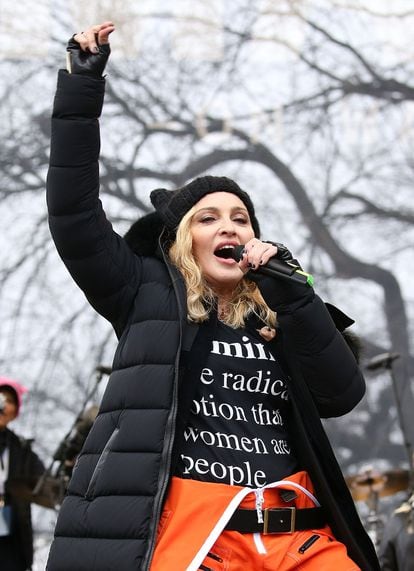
pixel 143 235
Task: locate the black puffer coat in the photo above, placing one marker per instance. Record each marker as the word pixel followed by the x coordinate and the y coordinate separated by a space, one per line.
pixel 109 519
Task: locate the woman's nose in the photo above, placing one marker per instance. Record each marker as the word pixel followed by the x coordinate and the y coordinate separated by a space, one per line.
pixel 228 227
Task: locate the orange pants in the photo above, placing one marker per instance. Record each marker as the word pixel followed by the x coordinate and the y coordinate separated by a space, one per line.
pixel 191 533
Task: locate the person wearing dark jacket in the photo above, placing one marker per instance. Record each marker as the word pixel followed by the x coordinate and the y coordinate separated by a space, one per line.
pixel 208 450
pixel 17 462
pixel 396 550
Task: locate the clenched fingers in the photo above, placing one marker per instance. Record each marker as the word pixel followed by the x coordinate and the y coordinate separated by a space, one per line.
pixel 97 35
pixel 257 253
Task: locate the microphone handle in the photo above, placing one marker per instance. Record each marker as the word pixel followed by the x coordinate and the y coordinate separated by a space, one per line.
pixel 290 272
pixel 276 268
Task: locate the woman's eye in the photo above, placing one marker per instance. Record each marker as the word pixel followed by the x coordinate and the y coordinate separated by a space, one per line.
pixel 207 219
pixel 241 220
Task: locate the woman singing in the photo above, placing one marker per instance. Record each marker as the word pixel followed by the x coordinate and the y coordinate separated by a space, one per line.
pixel 208 451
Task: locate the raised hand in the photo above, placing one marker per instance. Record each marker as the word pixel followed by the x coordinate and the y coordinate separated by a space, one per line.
pixel 88 51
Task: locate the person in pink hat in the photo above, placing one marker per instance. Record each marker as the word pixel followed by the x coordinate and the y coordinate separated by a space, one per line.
pixel 17 462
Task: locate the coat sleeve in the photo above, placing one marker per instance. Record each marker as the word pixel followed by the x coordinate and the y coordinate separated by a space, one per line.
pixel 98 259
pixel 32 465
pixel 318 349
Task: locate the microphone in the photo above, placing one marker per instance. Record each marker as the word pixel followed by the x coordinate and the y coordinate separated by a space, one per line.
pixel 274 268
pixel 382 360
pixel 102 370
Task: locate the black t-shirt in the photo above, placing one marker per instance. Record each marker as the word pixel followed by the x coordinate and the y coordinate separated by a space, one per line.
pixel 236 430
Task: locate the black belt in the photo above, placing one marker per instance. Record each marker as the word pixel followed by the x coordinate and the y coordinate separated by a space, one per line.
pixel 277 520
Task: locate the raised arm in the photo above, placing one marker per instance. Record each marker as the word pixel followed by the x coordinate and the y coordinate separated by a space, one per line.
pixel 97 257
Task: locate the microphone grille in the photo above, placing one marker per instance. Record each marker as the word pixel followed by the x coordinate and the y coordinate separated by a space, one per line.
pixel 238 252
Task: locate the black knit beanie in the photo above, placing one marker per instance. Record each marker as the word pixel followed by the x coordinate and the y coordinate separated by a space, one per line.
pixel 171 205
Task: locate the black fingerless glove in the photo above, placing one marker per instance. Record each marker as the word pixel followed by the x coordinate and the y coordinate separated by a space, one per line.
pixel 282 295
pixel 87 63
pixel 283 253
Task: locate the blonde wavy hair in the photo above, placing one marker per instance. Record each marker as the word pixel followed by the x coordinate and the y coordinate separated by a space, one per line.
pixel 201 299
